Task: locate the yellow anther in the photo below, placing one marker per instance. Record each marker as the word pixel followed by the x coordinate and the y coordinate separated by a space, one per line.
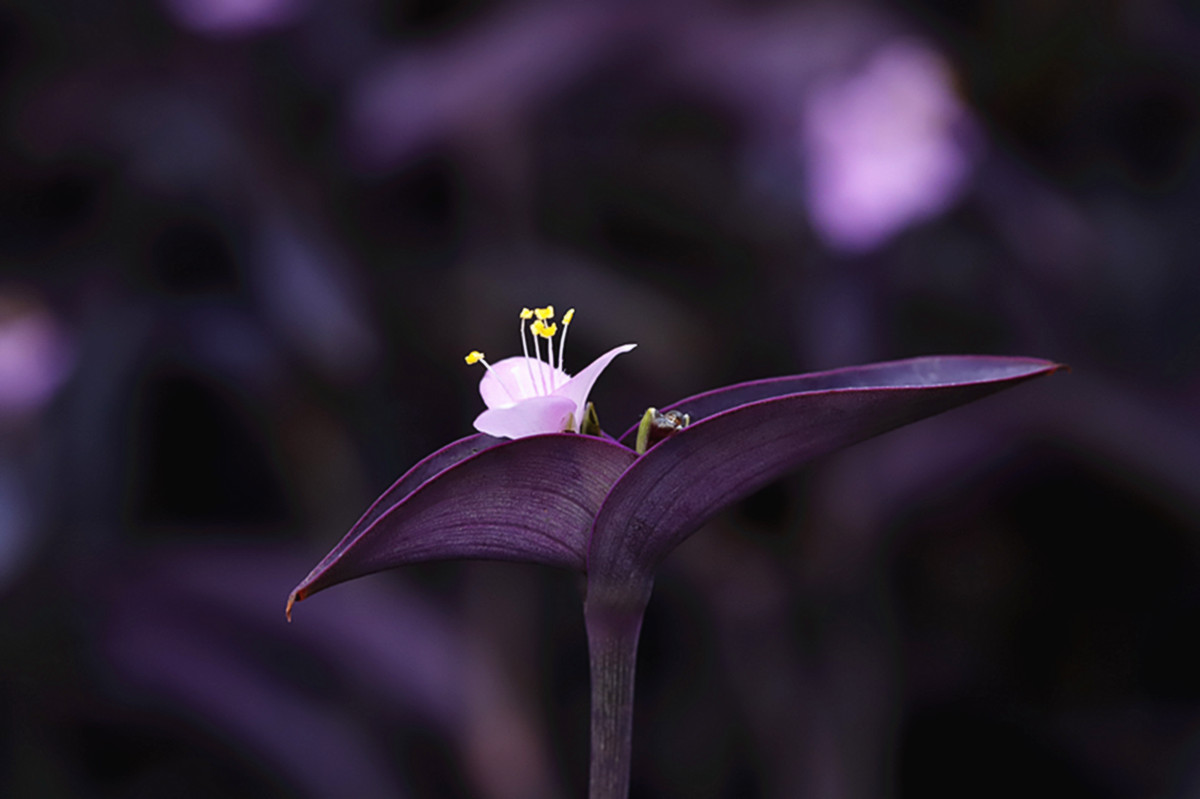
pixel 544 313
pixel 568 316
pixel 474 357
pixel 540 328
pixel 526 313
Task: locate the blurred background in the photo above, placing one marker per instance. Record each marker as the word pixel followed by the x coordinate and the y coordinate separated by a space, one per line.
pixel 244 245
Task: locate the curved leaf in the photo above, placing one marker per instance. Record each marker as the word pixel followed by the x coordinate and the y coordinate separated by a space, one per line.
pixel 687 478
pixel 532 499
pixel 426 468
pixel 914 372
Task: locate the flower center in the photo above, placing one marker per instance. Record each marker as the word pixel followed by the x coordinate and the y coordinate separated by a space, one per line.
pixel 545 381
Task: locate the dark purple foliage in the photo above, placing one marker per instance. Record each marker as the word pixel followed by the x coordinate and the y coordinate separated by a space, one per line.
pixel 243 244
pixel 589 503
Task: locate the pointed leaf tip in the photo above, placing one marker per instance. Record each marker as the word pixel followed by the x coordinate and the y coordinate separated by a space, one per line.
pixel 299 594
pixel 912 373
pixel 530 499
pixel 750 434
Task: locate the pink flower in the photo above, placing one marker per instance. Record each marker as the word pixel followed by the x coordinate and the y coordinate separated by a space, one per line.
pixel 885 148
pixel 528 396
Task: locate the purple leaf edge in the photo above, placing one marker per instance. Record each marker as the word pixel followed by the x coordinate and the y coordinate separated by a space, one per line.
pixel 899 374
pixel 684 480
pixel 493 504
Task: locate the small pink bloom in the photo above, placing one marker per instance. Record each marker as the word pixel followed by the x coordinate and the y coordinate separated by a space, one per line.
pixel 885 148
pixel 527 396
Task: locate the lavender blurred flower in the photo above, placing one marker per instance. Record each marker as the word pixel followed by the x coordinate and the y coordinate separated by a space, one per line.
pixel 885 148
pixel 234 17
pixel 35 354
pixel 598 505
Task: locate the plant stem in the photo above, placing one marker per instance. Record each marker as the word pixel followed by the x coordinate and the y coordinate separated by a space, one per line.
pixel 612 630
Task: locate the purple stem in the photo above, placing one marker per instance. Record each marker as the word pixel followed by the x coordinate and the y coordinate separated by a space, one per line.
pixel 614 621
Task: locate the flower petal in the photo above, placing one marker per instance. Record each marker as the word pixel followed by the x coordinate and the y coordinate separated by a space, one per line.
pixel 529 500
pixel 529 417
pixel 513 379
pixel 579 387
pixel 687 478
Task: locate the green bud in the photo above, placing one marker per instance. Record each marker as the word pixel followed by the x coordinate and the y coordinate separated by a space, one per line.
pixel 591 421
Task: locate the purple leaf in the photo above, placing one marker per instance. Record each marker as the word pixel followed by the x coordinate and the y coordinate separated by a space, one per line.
pixel 532 499
pixel 920 372
pixel 751 434
pixel 429 466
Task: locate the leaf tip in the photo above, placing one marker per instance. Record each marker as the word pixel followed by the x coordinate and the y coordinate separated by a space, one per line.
pixel 293 598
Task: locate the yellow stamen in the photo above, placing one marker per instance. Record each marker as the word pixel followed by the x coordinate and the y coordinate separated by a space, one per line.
pixel 541 382
pixel 527 314
pixel 562 342
pixel 474 357
pixel 536 330
pixel 548 332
